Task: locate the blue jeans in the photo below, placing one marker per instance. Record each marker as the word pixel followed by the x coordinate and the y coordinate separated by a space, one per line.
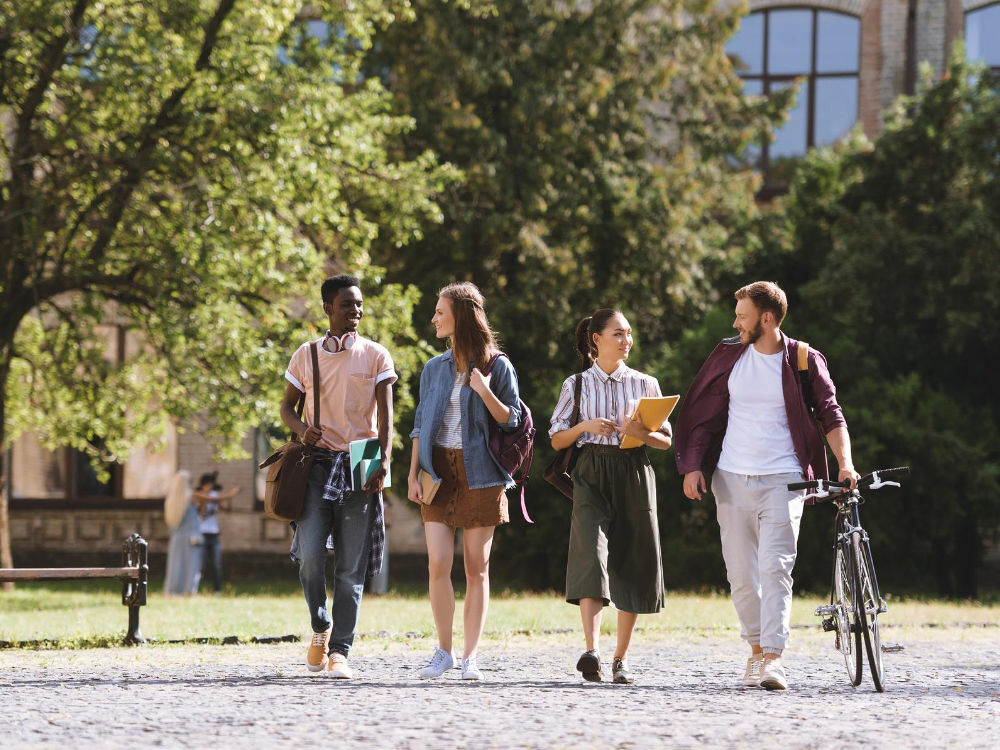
pixel 350 525
pixel 213 554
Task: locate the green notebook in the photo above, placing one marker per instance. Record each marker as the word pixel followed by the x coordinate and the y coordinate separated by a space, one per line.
pixel 366 458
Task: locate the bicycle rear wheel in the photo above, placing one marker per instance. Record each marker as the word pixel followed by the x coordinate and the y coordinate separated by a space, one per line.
pixel 868 606
pixel 848 627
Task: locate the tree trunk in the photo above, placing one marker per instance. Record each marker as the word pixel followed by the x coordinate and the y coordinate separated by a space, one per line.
pixel 6 556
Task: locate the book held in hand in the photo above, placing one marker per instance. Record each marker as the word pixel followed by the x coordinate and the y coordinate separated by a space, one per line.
pixel 429 486
pixel 366 459
pixel 652 411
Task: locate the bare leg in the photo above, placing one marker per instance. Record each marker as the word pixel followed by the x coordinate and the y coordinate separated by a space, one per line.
pixel 440 556
pixel 476 546
pixel 590 612
pixel 626 626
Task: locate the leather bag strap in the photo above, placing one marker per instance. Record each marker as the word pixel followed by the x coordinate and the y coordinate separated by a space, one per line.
pixel 315 359
pixel 577 387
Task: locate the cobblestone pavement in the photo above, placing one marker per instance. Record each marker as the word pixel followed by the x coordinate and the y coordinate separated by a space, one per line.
pixel 944 691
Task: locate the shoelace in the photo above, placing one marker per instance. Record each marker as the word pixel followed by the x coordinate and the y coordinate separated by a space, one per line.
pixel 318 639
pixel 438 659
pixel 756 665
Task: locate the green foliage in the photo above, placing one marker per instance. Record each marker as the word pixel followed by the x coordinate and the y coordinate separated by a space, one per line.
pixel 897 245
pixel 596 142
pixel 188 170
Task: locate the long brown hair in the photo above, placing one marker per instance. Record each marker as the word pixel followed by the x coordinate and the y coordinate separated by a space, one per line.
pixel 473 339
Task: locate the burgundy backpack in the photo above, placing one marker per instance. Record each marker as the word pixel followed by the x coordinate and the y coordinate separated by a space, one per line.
pixel 513 450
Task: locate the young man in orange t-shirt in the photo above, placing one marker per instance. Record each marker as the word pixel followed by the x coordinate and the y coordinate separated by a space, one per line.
pixel 355 388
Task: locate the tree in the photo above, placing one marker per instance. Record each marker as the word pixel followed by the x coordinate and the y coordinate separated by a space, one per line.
pixel 186 168
pixel 597 142
pixel 900 239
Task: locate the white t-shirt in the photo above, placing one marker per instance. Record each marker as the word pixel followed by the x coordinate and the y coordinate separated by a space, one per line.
pixel 758 440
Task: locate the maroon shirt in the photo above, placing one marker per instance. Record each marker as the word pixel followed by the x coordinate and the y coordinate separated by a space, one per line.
pixel 703 420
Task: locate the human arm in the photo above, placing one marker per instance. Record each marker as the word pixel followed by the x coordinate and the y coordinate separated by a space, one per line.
pixel 657 439
pixel 414 491
pixel 309 434
pixel 840 443
pixel 599 426
pixel 481 384
pixel 383 399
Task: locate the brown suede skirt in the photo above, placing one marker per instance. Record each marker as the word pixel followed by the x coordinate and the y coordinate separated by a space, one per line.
pixel 456 505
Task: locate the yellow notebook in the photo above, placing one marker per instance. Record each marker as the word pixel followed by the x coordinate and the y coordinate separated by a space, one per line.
pixel 652 411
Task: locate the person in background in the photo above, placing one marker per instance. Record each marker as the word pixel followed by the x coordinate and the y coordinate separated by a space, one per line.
pixel 210 499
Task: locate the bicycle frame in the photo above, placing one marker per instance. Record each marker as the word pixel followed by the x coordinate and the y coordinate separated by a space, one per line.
pixel 848 522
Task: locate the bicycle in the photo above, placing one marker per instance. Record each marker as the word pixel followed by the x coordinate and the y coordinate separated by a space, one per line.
pixel 855 601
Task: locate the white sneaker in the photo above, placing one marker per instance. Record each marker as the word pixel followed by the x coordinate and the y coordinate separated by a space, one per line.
pixel 440 663
pixel 751 677
pixel 338 667
pixel 470 670
pixel 772 675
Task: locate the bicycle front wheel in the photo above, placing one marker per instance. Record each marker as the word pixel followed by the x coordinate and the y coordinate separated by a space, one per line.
pixel 848 626
pixel 868 606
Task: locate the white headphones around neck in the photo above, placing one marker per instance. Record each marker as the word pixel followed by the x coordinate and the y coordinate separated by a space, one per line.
pixel 340 343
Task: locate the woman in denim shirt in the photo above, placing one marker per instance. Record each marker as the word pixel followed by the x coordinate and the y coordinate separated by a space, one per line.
pixel 451 443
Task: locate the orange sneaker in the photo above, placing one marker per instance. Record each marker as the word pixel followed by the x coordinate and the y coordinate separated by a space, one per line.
pixel 316 655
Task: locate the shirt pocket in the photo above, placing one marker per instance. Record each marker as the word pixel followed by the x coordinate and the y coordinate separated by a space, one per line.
pixel 360 391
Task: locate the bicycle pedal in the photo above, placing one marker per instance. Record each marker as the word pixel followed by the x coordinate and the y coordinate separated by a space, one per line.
pixel 829 624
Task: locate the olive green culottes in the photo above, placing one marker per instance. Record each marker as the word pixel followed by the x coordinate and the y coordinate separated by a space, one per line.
pixel 614 541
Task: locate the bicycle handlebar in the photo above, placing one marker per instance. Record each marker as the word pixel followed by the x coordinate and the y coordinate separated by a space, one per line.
pixel 873 480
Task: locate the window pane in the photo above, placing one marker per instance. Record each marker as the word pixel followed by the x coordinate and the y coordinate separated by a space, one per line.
pixel 837 43
pixel 88 484
pixel 148 473
pixel 747 45
pixel 36 473
pixel 790 138
pixel 982 35
pixel 836 108
pixel 789 41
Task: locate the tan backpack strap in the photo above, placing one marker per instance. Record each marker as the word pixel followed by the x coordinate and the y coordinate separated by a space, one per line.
pixel 803 356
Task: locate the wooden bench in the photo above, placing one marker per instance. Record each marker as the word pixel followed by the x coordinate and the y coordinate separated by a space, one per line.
pixel 134 574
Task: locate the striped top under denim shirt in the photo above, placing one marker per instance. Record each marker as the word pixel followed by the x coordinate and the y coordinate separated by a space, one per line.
pixel 449 434
pixel 613 397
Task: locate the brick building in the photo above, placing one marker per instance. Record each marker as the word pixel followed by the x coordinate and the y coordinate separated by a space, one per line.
pixel 853 58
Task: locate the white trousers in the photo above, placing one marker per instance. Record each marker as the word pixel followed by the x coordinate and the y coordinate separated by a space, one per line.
pixel 759 520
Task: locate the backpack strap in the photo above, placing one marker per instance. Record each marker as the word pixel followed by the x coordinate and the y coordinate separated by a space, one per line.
pixel 803 370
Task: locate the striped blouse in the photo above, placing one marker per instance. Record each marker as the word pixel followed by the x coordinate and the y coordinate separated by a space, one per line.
pixel 613 397
pixel 449 434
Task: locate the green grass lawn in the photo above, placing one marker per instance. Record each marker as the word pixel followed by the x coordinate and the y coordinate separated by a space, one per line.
pixel 91 614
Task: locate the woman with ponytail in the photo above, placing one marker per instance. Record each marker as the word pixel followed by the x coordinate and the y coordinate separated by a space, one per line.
pixel 614 546
pixel 451 444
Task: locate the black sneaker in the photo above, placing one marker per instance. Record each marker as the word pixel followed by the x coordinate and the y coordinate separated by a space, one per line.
pixel 590 665
pixel 621 674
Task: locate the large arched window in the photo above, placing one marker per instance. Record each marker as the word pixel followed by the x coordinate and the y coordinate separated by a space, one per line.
pixel 982 35
pixel 775 47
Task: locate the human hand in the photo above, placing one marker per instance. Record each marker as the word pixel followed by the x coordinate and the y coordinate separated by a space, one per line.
pixel 600 426
pixel 312 435
pixel 635 428
pixel 414 492
pixel 694 485
pixel 375 481
pixel 848 474
pixel 478 382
